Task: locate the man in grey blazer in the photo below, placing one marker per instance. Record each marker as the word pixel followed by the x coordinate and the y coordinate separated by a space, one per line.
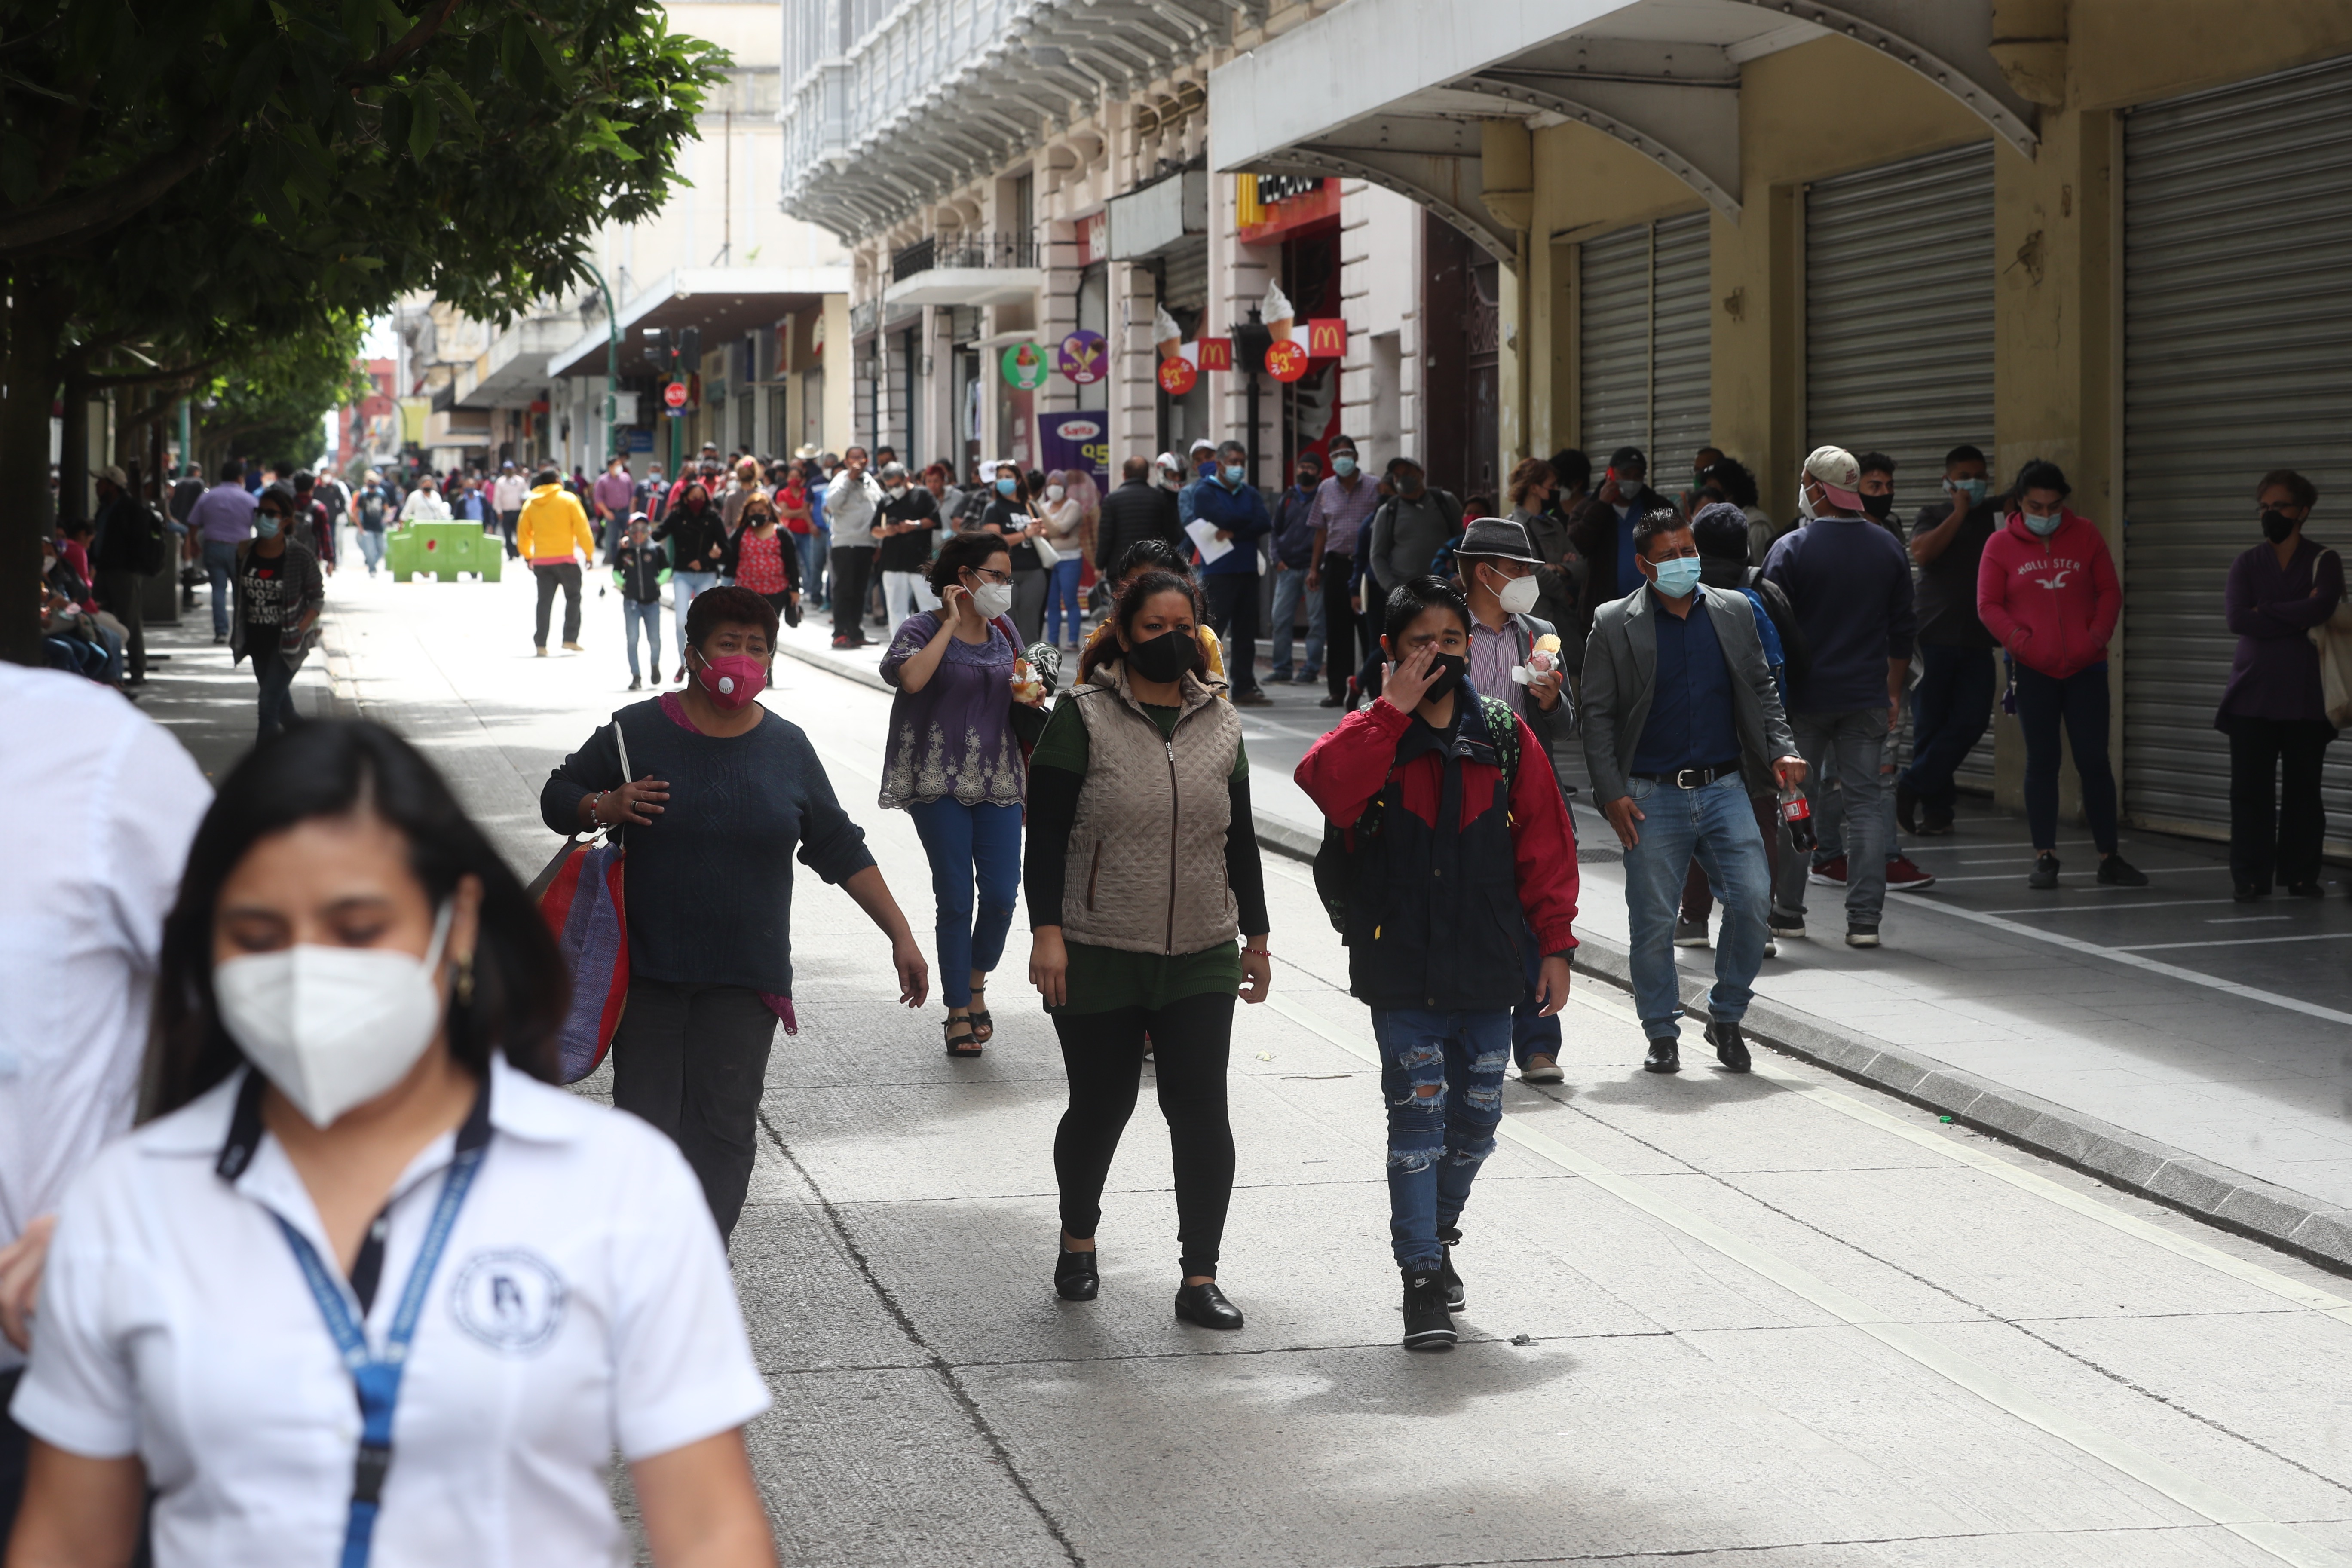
pixel 1682 722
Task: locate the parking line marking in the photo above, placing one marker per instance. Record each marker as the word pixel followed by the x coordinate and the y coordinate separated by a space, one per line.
pixel 2232 1514
pixel 2233 941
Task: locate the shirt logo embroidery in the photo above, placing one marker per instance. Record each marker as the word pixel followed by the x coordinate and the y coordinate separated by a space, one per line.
pixel 512 1300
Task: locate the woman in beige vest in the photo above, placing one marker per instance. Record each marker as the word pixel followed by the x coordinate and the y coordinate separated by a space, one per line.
pixel 1142 869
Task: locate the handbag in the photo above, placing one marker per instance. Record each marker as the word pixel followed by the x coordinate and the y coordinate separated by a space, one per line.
pixel 1047 556
pixel 579 895
pixel 2333 639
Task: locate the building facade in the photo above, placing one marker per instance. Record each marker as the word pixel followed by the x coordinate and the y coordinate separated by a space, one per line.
pixel 2116 234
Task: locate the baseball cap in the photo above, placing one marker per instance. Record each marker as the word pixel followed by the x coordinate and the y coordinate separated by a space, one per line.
pixel 1497 538
pixel 1834 470
pixel 1201 445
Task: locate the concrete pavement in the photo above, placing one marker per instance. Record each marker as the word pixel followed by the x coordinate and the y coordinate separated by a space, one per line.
pixel 1779 1319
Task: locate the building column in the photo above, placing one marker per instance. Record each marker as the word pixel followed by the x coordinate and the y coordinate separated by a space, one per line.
pixel 836 356
pixel 1130 397
pixel 1238 275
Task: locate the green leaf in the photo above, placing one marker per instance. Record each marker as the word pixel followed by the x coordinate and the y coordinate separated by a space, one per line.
pixel 425 126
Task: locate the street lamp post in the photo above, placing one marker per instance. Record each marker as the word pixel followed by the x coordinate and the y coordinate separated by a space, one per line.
pixel 612 357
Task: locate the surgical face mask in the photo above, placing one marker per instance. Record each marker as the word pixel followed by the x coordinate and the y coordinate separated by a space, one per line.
pixel 333 1027
pixel 1006 487
pixel 1878 506
pixel 1973 489
pixel 897 492
pixel 1233 475
pixel 1055 493
pixel 2043 523
pixel 1679 576
pixel 266 524
pixel 1166 656
pixel 993 599
pixel 1805 504
pixel 2277 526
pixel 1518 595
pixel 1344 466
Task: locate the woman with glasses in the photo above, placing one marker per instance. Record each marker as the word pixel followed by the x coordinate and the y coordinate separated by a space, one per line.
pixel 953 762
pixel 1013 517
pixel 279 592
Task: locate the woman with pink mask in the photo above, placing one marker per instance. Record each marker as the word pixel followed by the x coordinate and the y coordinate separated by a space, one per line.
pixel 715 798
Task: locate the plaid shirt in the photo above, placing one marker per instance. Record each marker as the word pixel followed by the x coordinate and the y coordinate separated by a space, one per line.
pixel 1340 513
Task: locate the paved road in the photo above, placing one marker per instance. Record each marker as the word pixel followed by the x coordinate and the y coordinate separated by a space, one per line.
pixel 1773 1319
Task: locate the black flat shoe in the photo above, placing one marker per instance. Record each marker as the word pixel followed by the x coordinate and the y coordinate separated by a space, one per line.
pixel 1074 1278
pixel 2247 894
pixel 1730 1049
pixel 1907 807
pixel 1205 1306
pixel 2311 890
pixel 1665 1055
pixel 1457 1295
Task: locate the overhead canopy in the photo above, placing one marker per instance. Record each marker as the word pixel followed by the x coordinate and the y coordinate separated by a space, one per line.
pixel 721 302
pixel 1392 91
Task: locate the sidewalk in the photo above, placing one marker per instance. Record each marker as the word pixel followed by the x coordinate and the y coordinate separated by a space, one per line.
pixel 2162 1039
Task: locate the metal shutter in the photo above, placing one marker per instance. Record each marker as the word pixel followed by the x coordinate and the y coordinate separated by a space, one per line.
pixel 2237 360
pixel 1185 280
pixel 1899 329
pixel 1642 339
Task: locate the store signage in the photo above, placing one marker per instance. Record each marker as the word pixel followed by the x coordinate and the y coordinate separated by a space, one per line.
pixel 1285 359
pixel 1093 239
pixel 1084 357
pixel 1025 366
pixel 1326 336
pixel 1177 376
pixel 1216 353
pixel 1080 440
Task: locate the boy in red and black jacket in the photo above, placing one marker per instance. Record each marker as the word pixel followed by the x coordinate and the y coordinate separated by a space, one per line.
pixel 1458 842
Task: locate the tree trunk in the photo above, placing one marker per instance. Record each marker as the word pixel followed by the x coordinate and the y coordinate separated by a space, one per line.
pixel 29 386
pixel 73 448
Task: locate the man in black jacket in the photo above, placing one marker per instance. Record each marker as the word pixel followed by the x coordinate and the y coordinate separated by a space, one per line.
pixel 1137 510
pixel 1602 530
pixel 127 531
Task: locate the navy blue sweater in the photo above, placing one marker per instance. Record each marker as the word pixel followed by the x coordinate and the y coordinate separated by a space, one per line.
pixel 1239 513
pixel 1850 585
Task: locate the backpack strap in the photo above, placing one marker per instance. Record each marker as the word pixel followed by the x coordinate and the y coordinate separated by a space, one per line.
pixel 1502 733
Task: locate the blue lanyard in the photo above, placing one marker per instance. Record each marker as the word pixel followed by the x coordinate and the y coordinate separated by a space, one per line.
pixel 377 1378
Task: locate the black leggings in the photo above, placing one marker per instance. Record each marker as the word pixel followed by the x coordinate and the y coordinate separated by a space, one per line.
pixel 1191 1039
pixel 693 1060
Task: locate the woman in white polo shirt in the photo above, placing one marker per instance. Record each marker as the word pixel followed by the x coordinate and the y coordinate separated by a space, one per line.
pixel 372 1290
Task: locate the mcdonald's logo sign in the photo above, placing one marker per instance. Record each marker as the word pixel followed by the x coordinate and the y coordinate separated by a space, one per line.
pixel 1326 338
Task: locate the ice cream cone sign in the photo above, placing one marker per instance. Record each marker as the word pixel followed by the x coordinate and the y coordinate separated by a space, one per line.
pixel 1165 333
pixel 1276 313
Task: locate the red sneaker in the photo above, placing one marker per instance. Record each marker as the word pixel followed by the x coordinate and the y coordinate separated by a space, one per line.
pixel 1829 873
pixel 1902 877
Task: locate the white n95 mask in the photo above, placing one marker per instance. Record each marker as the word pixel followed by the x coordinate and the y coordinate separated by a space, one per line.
pixel 1518 595
pixel 334 1026
pixel 993 599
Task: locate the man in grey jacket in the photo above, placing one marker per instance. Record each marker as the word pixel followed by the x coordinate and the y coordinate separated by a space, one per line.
pixel 1682 722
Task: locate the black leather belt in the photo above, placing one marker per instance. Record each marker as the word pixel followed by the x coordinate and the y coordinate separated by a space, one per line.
pixel 1691 778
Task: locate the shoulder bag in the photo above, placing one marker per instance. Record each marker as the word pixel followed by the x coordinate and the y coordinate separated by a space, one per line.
pixel 2332 637
pixel 579 895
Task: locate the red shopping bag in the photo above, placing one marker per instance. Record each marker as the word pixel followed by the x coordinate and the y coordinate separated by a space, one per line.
pixel 580 893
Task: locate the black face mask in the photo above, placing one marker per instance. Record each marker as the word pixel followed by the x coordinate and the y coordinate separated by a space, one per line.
pixel 2277 526
pixel 1450 667
pixel 1167 657
pixel 1878 506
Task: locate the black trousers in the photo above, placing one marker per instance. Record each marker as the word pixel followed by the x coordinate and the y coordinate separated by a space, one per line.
pixel 565 574
pixel 1232 615
pixel 2276 760
pixel 1191 1039
pixel 124 593
pixel 692 1060
pixel 1348 638
pixel 853 569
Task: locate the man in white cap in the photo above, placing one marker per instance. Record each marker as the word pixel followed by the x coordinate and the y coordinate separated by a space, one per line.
pixel 1202 457
pixel 1849 584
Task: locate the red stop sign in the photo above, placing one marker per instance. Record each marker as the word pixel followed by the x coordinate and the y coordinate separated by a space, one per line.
pixel 673 395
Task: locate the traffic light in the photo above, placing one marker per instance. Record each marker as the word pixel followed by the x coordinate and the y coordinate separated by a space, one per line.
pixel 689 351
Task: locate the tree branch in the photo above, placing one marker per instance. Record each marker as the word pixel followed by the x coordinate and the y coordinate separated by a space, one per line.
pixel 102 207
pixel 415 38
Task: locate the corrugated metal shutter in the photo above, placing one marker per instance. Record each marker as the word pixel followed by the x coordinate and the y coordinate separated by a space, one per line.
pixel 2237 360
pixel 1184 279
pixel 1899 329
pixel 1644 340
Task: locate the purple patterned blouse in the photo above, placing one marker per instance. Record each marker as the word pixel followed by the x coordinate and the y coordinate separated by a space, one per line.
pixel 954 737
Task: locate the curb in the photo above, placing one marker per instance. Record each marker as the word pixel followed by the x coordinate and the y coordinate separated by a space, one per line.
pixel 2320 1233
pixel 857 672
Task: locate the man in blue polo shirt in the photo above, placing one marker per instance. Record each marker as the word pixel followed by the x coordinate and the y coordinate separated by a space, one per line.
pixel 1229 504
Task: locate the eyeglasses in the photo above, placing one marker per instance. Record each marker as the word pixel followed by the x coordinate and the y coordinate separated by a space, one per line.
pixel 986 575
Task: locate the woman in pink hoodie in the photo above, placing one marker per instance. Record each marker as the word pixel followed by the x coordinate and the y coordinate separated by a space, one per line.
pixel 2047 588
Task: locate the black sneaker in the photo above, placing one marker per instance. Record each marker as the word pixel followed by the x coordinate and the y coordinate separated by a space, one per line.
pixel 1456 1297
pixel 2116 871
pixel 1785 923
pixel 1665 1055
pixel 1427 1324
pixel 1731 1050
pixel 1860 935
pixel 2045 872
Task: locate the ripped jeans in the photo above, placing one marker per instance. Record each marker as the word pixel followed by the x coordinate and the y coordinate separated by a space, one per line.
pixel 1441 1074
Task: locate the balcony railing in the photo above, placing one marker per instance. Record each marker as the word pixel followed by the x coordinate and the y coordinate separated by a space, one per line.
pixel 979 250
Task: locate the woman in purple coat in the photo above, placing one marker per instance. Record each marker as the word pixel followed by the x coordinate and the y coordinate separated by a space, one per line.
pixel 2272 710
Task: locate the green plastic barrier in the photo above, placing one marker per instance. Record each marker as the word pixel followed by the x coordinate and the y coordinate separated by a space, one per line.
pixel 443 550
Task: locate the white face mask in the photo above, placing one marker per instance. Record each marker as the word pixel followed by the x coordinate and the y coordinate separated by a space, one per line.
pixel 1054 492
pixel 993 599
pixel 334 1026
pixel 1518 596
pixel 1805 502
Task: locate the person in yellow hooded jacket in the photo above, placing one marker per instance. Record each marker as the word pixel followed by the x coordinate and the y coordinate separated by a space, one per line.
pixel 552 535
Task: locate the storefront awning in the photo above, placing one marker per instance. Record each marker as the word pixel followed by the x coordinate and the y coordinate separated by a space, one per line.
pixel 722 302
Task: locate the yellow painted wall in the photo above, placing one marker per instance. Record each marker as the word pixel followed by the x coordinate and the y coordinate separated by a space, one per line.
pixel 2122 52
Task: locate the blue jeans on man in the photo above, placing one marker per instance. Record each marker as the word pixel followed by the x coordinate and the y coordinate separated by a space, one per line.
pixel 1715 825
pixel 275 677
pixel 1950 710
pixel 1441 1074
pixel 815 548
pixel 372 548
pixel 1289 587
pixel 1532 1034
pixel 1844 749
pixel 220 566
pixel 646 613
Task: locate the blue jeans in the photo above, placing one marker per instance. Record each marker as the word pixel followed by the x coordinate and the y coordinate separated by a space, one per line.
pixel 1715 825
pixel 1532 1034
pixel 648 615
pixel 1443 1076
pixel 1950 709
pixel 372 548
pixel 683 588
pixel 817 555
pixel 220 565
pixel 2079 703
pixel 1844 749
pixel 1289 587
pixel 1062 590
pixel 967 843
pixel 276 682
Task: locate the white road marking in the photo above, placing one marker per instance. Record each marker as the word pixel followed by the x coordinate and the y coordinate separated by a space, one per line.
pixel 2133 905
pixel 2234 941
pixel 2238 1516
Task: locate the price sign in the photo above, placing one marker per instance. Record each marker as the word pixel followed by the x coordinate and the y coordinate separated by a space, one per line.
pixel 1177 376
pixel 1286 359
